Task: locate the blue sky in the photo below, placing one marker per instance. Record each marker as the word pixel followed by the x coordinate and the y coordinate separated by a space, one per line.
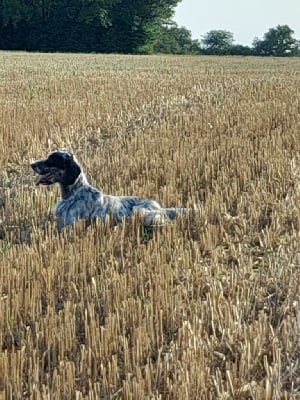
pixel 245 19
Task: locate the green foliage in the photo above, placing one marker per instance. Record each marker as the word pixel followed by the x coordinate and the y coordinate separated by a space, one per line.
pixel 123 26
pixel 135 25
pixel 173 39
pixel 217 42
pixel 296 51
pixel 14 11
pixel 240 50
pixel 277 42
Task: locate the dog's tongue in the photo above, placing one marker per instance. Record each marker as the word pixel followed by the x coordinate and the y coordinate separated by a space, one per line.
pixel 42 179
pixel 39 180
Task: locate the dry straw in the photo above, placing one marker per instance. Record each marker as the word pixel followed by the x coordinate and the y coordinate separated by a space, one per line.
pixel 204 308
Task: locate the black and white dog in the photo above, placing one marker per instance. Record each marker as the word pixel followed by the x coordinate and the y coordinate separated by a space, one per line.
pixel 82 201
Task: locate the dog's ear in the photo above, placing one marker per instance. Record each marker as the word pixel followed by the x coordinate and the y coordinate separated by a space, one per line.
pixel 72 170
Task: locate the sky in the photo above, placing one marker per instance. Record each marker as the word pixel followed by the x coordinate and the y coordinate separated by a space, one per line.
pixel 246 19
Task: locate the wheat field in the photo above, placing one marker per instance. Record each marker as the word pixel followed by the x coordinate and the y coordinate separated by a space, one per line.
pixel 206 307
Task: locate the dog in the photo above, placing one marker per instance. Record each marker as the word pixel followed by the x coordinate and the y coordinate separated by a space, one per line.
pixel 81 201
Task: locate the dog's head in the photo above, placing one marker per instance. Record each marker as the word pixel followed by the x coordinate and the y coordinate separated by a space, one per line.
pixel 59 166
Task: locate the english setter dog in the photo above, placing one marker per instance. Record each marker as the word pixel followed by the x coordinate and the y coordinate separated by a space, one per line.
pixel 81 201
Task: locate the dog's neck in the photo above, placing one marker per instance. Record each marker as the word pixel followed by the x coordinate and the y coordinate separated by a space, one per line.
pixel 68 190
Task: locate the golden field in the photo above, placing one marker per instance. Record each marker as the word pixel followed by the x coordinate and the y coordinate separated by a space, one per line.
pixel 207 307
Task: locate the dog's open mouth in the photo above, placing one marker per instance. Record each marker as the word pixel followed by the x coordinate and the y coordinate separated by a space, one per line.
pixel 44 179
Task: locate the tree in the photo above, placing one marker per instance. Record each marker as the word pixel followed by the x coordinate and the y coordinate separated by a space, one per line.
pixel 123 26
pixel 16 11
pixel 240 50
pixel 53 25
pixel 217 42
pixel 135 24
pixel 278 42
pixel 173 39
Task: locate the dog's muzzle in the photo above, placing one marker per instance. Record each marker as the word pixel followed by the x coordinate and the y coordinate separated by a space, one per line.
pixel 46 180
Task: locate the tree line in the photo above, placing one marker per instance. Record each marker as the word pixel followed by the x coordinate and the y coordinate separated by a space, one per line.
pixel 124 26
pixel 121 26
pixel 278 42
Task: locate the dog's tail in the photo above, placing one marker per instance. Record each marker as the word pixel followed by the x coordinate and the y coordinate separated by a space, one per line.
pixel 163 215
pixel 173 212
